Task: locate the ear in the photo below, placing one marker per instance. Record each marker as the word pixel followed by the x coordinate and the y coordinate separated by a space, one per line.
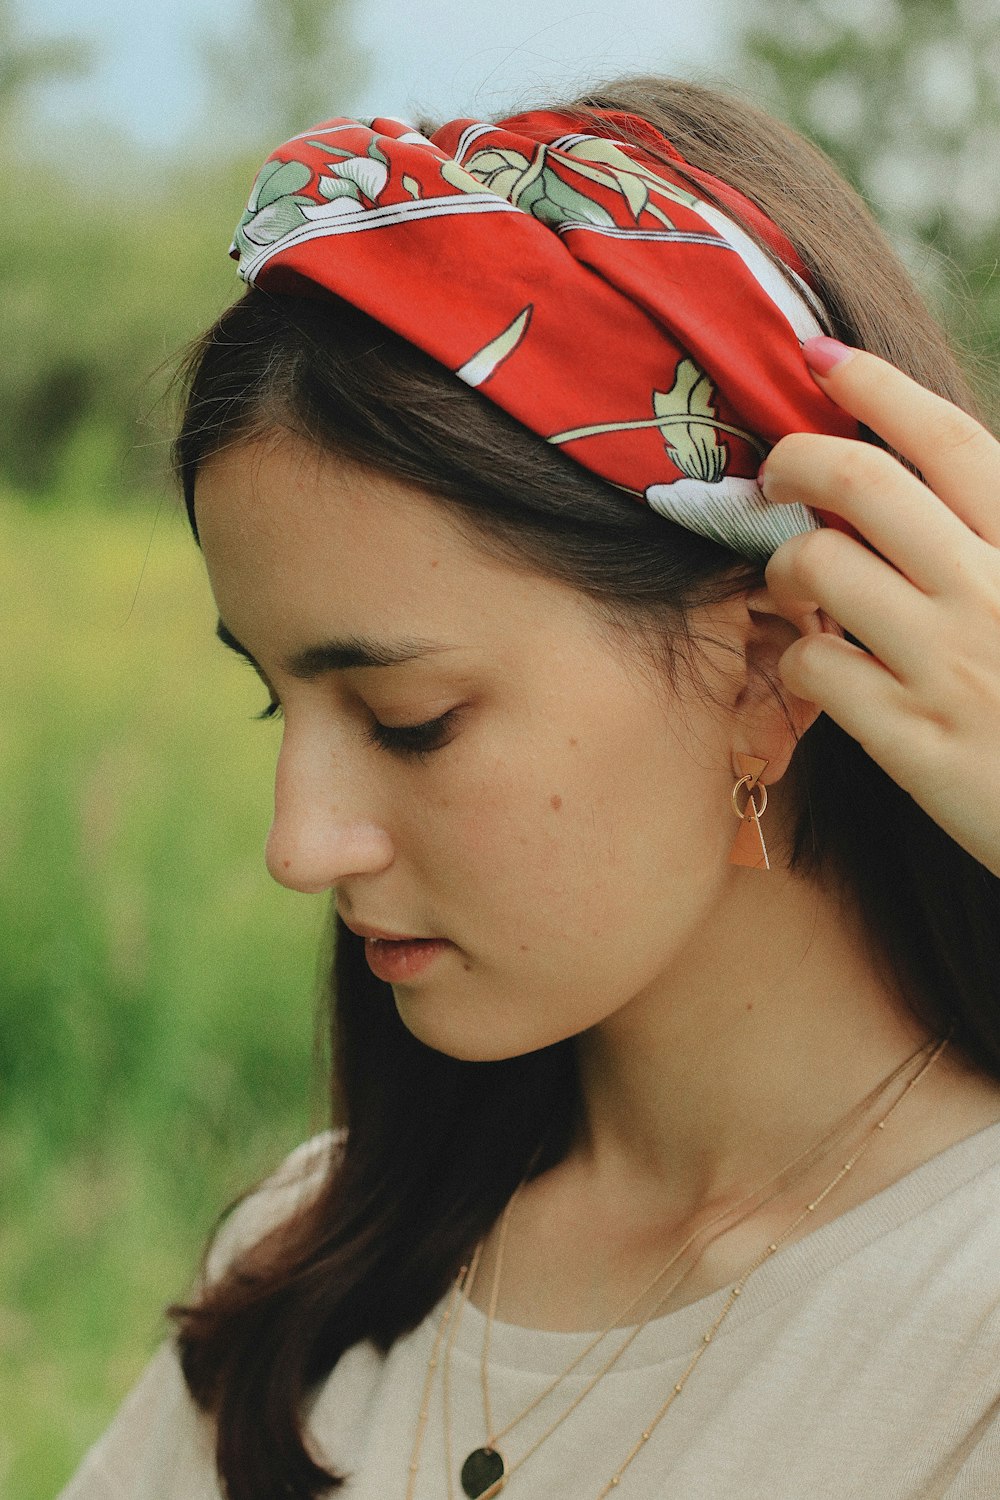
pixel 764 726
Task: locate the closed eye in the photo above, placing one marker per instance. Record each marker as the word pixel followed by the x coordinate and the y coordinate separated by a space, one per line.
pixel 412 739
pixel 417 740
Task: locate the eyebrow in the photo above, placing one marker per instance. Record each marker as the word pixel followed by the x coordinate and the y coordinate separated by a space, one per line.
pixel 341 656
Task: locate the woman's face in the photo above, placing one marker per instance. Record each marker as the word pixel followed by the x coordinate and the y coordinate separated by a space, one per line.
pixel 569 836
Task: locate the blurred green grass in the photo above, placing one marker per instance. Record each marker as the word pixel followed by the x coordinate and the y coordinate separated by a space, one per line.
pixel 156 988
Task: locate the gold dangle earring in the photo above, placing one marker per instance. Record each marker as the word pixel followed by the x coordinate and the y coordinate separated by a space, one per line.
pixel 748 846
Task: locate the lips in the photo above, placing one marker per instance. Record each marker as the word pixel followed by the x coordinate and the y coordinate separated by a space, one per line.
pixel 397 962
pixel 397 957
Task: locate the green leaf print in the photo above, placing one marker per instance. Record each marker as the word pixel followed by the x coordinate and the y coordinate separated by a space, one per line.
pixel 533 186
pixel 504 172
pixel 537 187
pixel 459 178
pixel 487 360
pixel 274 222
pixel 688 421
pixel 602 161
pixel 693 446
pixel 558 203
pixel 279 179
pixel 339 187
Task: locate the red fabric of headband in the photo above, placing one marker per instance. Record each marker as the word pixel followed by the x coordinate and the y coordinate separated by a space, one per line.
pixel 576 280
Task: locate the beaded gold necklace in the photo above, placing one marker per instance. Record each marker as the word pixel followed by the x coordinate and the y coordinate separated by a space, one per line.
pixel 484 1472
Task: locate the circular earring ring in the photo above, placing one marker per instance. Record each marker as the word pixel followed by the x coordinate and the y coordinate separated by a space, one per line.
pixel 757 810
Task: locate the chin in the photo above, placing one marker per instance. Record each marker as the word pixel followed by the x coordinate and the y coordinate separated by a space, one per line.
pixel 457 1035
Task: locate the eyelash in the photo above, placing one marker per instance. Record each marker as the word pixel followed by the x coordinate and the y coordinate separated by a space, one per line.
pixel 417 740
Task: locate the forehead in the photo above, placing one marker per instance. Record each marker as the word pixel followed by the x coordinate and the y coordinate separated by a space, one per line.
pixel 301 544
pixel 269 495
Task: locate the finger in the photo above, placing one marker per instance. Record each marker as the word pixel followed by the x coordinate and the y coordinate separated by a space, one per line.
pixel 859 591
pixel 854 690
pixel 905 739
pixel 884 502
pixel 957 456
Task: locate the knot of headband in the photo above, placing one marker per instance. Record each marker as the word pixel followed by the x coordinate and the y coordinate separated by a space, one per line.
pixel 576 280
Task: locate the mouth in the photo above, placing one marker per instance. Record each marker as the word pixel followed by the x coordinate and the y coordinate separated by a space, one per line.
pixel 396 957
pixel 396 961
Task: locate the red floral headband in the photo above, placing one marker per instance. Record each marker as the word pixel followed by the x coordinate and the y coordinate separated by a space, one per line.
pixel 577 281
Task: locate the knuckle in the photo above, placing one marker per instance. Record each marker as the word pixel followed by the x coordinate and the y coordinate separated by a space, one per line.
pixel 973 679
pixel 857 467
pixel 789 450
pixel 952 429
pixel 814 555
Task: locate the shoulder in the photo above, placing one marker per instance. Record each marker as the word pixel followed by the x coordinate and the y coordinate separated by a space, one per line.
pixel 159 1445
pixel 299 1178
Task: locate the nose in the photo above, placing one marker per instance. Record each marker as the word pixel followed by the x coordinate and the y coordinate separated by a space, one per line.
pixel 318 837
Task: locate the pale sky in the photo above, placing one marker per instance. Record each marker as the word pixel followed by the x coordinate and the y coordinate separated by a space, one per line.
pixel 444 57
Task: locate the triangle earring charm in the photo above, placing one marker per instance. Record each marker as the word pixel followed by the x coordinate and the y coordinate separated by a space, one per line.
pixel 748 847
pixel 752 765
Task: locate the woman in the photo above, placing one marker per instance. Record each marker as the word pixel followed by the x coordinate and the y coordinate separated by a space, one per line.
pixel 668 1142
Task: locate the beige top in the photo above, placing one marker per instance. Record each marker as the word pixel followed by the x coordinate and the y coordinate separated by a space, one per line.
pixel 861 1363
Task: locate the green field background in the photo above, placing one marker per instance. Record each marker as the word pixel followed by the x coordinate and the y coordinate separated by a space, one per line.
pixel 157 989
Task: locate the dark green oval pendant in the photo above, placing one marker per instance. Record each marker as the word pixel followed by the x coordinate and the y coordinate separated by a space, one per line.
pixel 482 1473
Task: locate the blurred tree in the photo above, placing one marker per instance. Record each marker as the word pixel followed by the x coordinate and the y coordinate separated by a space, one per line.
pixel 100 284
pixel 291 64
pixel 905 96
pixel 25 63
pixel 110 260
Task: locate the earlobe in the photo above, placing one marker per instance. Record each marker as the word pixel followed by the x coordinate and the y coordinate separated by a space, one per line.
pixel 773 719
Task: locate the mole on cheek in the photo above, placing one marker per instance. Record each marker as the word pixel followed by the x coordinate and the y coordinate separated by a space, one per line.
pixel 555 802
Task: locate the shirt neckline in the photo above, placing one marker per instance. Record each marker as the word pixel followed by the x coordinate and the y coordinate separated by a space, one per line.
pixel 516 1347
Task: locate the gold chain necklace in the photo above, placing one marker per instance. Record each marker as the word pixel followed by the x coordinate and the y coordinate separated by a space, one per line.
pixel 483 1472
pixel 465 1276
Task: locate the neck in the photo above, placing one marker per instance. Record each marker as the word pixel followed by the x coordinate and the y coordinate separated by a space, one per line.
pixel 772 1024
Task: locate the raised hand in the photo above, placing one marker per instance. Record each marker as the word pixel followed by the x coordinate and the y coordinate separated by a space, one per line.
pixel 923 595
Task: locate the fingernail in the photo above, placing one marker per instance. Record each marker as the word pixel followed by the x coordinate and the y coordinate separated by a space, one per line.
pixel 823 354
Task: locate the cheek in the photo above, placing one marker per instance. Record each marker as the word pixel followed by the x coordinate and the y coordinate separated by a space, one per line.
pixel 572 890
pixel 580 839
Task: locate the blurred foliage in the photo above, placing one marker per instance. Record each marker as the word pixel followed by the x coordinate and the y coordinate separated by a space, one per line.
pixel 155 985
pixel 905 96
pixel 25 62
pixel 112 259
pixel 293 64
pixel 102 283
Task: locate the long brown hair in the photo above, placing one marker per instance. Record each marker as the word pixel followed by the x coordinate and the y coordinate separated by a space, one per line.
pixel 435 1146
